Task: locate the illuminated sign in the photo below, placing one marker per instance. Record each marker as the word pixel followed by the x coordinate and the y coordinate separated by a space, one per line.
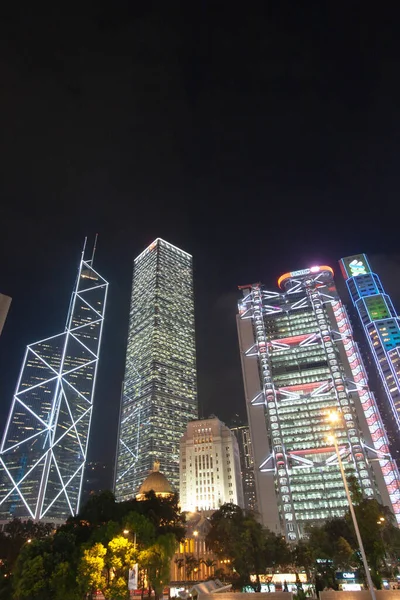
pixel 303 272
pixel 353 266
pixel 347 575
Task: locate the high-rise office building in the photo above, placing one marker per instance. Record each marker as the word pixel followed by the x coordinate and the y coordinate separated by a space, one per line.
pixel 159 391
pixel 209 466
pixel 300 363
pixel 5 302
pixel 242 434
pixel 381 327
pixel 45 441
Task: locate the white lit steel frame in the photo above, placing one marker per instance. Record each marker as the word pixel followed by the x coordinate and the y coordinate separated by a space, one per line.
pixel 254 306
pixel 44 446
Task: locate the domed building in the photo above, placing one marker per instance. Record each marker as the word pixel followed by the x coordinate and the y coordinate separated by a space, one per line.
pixel 157 482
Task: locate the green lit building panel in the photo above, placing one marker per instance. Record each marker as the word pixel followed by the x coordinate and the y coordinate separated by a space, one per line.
pixel 377 307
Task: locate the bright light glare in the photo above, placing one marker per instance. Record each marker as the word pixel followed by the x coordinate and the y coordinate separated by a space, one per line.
pixel 333 417
pixel 331 438
pixel 126 531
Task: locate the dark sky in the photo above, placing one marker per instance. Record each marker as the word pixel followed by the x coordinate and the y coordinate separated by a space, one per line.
pixel 260 139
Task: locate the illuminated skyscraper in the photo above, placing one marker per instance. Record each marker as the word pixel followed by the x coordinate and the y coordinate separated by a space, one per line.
pixel 300 362
pixel 159 392
pixel 45 441
pixel 242 434
pixel 381 326
pixel 5 302
pixel 209 466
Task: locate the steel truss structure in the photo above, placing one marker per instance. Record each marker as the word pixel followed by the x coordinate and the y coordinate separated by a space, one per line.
pixel 309 371
pixel 44 446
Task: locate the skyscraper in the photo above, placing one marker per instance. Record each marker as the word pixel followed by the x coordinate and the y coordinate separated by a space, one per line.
pixel 381 327
pixel 45 441
pixel 210 466
pixel 159 391
pixel 5 302
pixel 242 434
pixel 300 362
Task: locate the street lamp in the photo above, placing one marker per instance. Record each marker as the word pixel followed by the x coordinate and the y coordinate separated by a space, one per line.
pixel 381 522
pixel 126 532
pixel 334 418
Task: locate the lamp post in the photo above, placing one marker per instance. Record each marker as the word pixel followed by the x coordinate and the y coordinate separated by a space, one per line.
pixel 334 417
pixel 381 523
pixel 126 532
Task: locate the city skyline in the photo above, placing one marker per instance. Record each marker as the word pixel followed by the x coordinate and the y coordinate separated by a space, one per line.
pixel 45 440
pixel 160 386
pixel 255 141
pixel 300 363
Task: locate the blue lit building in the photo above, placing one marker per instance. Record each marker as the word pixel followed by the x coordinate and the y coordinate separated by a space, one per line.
pixel 381 326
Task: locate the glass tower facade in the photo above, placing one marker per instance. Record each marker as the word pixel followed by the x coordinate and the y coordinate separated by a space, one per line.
pixel 159 391
pixel 300 363
pixel 242 434
pixel 381 327
pixel 45 441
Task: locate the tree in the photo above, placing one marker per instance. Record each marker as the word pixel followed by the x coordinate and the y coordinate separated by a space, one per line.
pixel 45 568
pixel 91 570
pixel 32 580
pixel 236 535
pixel 210 565
pixel 156 560
pixel 15 534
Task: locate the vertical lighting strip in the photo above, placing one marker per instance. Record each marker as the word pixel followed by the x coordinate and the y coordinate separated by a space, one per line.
pixel 339 386
pixel 61 360
pixel 372 415
pixel 364 286
pixel 281 473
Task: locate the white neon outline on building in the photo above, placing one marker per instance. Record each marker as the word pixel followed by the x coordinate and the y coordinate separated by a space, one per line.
pixel 89 365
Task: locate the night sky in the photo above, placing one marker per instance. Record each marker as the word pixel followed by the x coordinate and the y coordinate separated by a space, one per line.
pixel 261 140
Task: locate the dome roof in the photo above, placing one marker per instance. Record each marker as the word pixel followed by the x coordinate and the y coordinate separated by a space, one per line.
pixel 157 482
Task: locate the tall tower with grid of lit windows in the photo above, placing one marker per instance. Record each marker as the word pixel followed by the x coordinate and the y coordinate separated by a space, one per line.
pixel 300 362
pixel 160 391
pixel 381 325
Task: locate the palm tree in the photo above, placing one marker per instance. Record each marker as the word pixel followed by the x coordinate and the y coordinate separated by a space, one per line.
pixel 180 563
pixel 210 564
pixel 190 562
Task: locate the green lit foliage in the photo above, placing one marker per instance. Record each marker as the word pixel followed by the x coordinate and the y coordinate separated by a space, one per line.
pixel 156 560
pixel 90 551
pixel 14 535
pixel 44 569
pixel 91 570
pixel 333 546
pixel 236 535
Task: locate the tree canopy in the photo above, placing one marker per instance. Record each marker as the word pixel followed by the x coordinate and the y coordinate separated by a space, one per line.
pixel 235 534
pixel 96 549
